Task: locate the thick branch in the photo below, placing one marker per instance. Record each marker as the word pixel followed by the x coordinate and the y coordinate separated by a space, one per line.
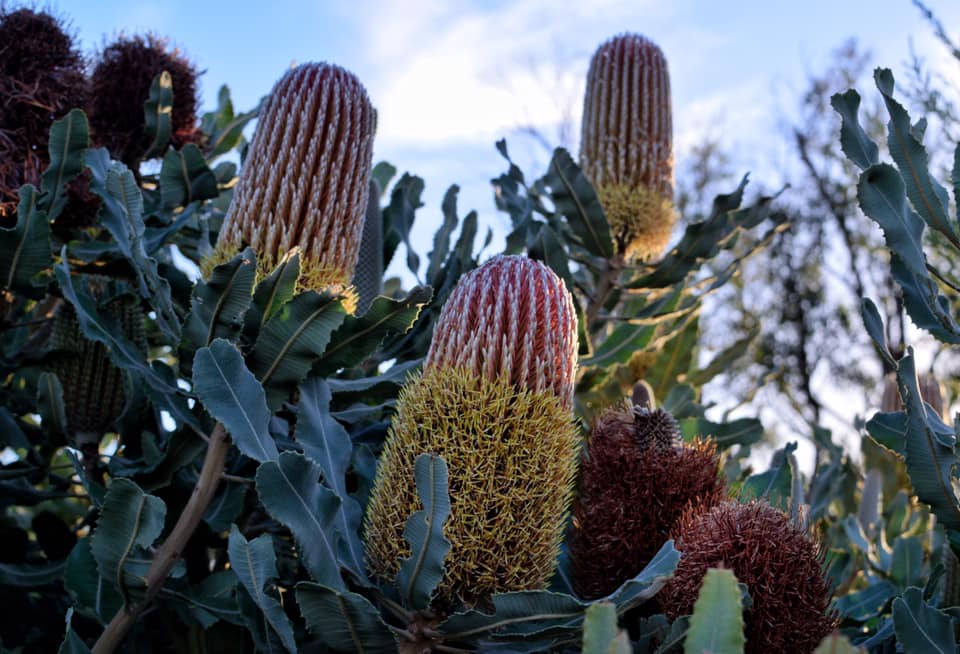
pixel 170 551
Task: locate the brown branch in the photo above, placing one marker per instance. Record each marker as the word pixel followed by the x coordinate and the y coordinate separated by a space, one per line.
pixel 168 554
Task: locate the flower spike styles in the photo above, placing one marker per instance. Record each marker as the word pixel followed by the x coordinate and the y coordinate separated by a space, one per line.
pixel 306 179
pixel 626 143
pixel 494 401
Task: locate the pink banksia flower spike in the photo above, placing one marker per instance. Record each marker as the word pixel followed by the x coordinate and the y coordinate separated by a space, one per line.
pixel 494 401
pixel 305 182
pixel 626 143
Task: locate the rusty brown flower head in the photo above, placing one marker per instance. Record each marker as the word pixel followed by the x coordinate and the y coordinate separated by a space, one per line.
pixel 306 179
pixel 42 77
pixel 626 143
pixel 637 479
pixel 776 559
pixel 494 401
pixel 121 82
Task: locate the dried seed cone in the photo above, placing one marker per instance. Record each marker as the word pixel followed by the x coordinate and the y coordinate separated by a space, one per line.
pixel 626 143
pixel 507 434
pixel 121 83
pixel 511 318
pixel 636 481
pixel 93 392
pixel 42 77
pixel 306 179
pixel 776 559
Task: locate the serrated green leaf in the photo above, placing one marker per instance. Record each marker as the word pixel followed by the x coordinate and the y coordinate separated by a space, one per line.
pixel 920 628
pixel 72 643
pixel 217 306
pixel 233 396
pixel 157 114
pixel 11 435
pixel 53 413
pixel 926 194
pixel 130 521
pixel 326 442
pixel 291 341
pixel 255 564
pixel 716 626
pixel 69 139
pixel 674 359
pixel 31 575
pixel 858 147
pixel 359 336
pixel 185 178
pixel 25 249
pixel 272 292
pixel 575 198
pixel 867 603
pixel 441 239
pixel 292 493
pixel 648 582
pixel 620 345
pixel 93 595
pixel 398 217
pixel 122 215
pixel 382 173
pixel 344 621
pixel 421 573
pixel 525 612
pixel 907 567
pixel 600 632
pixel 776 484
pixel 874 324
pixel 225 507
pixel 224 127
pixel 742 431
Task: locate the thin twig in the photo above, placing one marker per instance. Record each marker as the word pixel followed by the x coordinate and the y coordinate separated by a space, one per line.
pixel 169 553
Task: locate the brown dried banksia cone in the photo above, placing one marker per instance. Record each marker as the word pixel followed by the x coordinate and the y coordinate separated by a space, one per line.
pixel 121 82
pixel 626 143
pixel 494 401
pixel 636 481
pixel 306 179
pixel 93 390
pixel 42 77
pixel 776 559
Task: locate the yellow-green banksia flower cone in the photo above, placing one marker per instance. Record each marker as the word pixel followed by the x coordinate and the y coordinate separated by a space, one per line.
pixel 306 179
pixel 626 143
pixel 494 400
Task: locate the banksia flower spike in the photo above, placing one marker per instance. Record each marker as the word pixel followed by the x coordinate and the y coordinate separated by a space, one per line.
pixel 776 559
pixel 121 83
pixel 636 481
pixel 494 400
pixel 368 277
pixel 626 143
pixel 306 179
pixel 42 77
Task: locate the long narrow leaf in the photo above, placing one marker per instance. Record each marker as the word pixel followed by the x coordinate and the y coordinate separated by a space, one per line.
pixel 344 621
pixel 69 139
pixel 25 249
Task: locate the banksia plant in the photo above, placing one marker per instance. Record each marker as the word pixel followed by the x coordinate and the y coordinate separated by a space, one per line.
pixel 306 178
pixel 626 143
pixel 494 401
pixel 120 85
pixel 636 481
pixel 93 387
pixel 42 77
pixel 776 559
pixel 368 276
pixel 929 390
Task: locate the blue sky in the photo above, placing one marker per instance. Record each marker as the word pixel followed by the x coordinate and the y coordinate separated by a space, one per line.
pixel 449 78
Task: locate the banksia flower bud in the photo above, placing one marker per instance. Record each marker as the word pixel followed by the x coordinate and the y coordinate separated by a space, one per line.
pixel 637 479
pixel 41 78
pixel 306 179
pixel 776 559
pixel 93 392
pixel 626 143
pixel 121 85
pixel 368 277
pixel 494 401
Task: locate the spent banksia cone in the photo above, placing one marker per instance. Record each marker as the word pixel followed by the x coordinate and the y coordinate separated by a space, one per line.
pixel 306 179
pixel 121 83
pixel 636 481
pixel 494 401
pixel 776 559
pixel 626 143
pixel 42 77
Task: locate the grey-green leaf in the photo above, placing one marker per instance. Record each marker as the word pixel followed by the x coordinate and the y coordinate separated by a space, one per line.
pixel 600 632
pixel 185 178
pixel 92 594
pixel 69 139
pixel 292 493
pixel 776 484
pixel 344 621
pixel 575 199
pixel 921 628
pixel 233 396
pixel 217 306
pixel 25 249
pixel 716 626
pixel 255 563
pixel 858 147
pixel 421 573
pixel 157 114
pixel 72 643
pixel 273 291
pixel 53 414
